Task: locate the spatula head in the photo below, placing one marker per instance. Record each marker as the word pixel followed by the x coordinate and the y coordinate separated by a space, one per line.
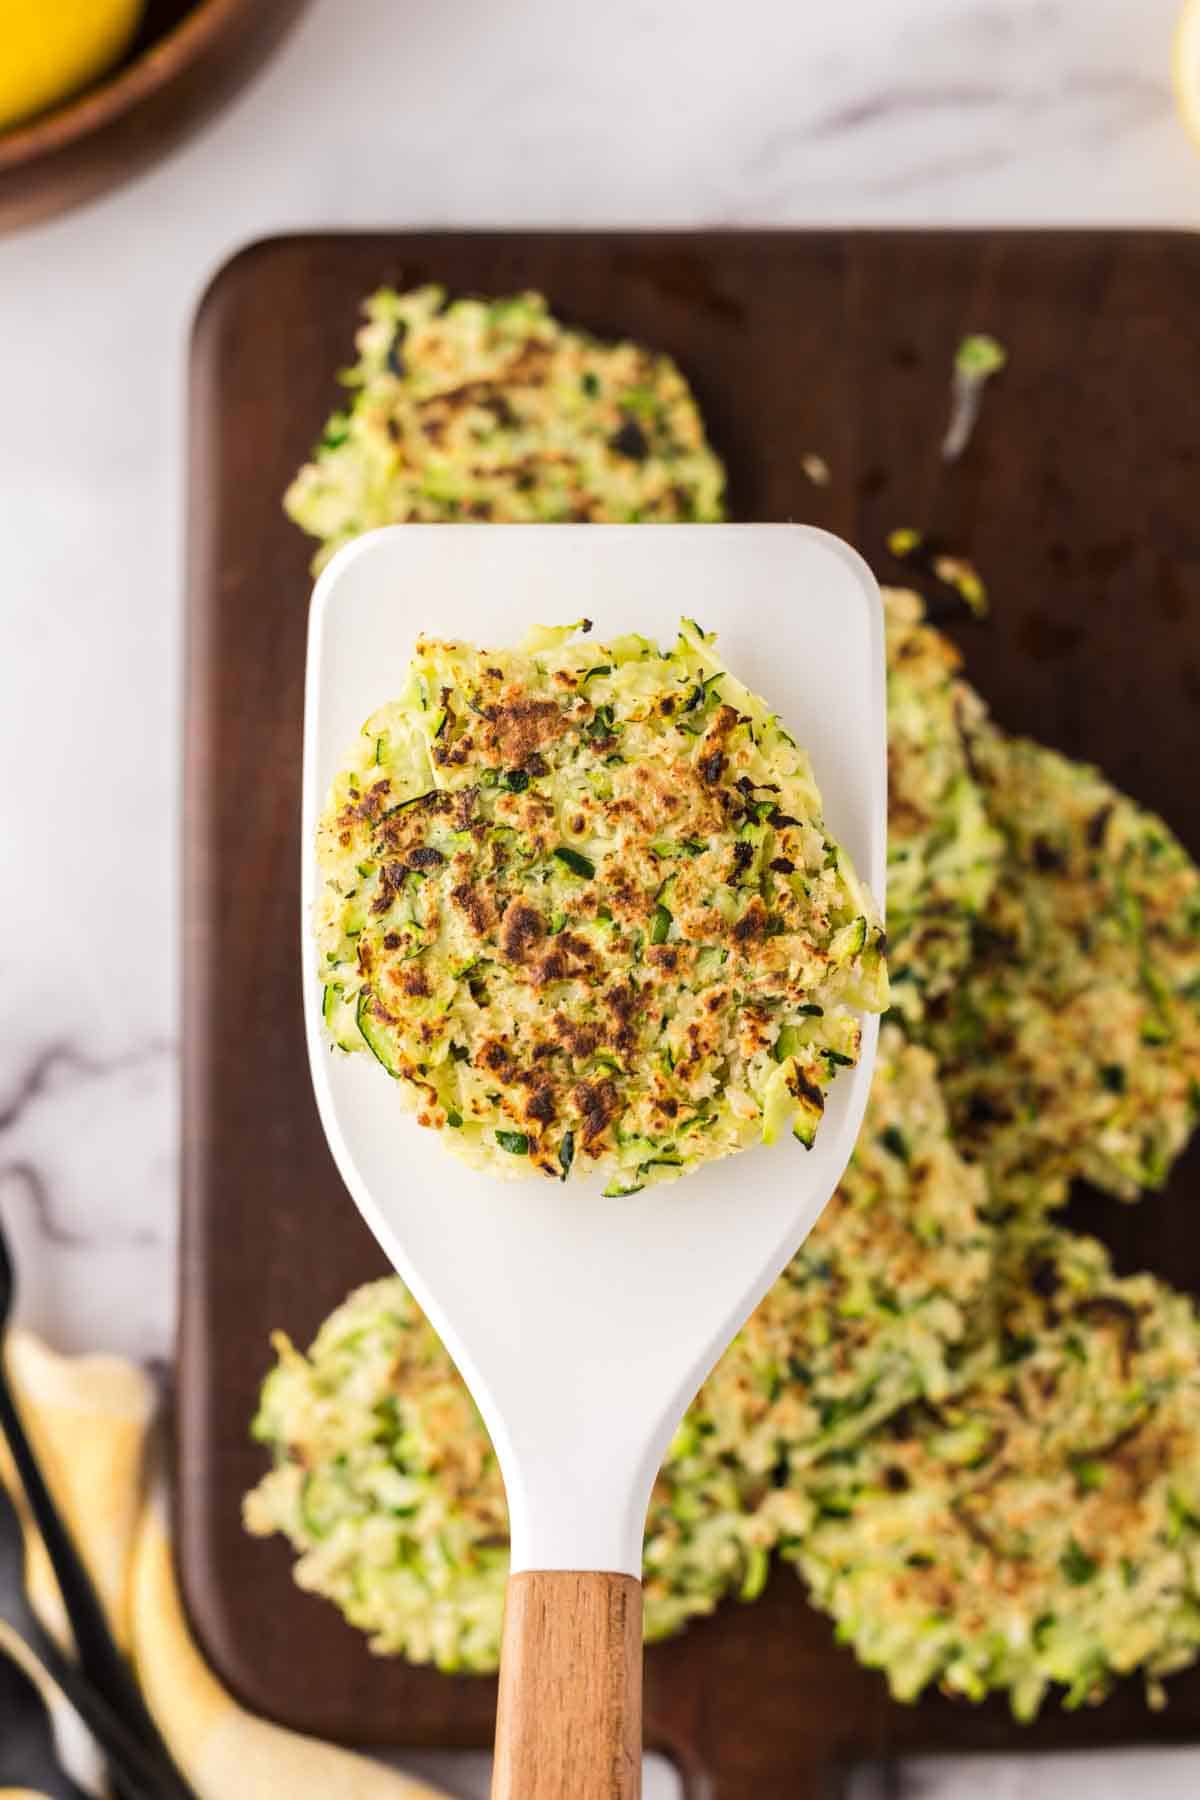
pixel 584 1325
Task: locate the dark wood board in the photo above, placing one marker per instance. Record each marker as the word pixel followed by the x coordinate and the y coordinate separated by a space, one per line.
pixel 1078 498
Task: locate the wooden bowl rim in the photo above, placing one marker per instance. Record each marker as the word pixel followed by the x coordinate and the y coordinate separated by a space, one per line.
pixel 129 84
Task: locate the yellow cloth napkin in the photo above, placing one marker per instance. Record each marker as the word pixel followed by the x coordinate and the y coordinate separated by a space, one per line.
pixel 91 1419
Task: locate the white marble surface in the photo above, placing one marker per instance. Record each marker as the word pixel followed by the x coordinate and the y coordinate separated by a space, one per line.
pixel 383 113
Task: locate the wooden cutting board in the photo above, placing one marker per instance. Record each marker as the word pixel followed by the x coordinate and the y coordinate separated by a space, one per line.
pixel 1079 499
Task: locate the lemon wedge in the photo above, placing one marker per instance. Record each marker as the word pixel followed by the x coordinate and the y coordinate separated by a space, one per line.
pixel 52 48
pixel 1185 66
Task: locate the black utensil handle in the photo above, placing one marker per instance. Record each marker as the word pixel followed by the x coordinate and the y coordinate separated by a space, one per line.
pixel 99 1657
pixel 109 1675
pixel 135 1767
pixel 28 1753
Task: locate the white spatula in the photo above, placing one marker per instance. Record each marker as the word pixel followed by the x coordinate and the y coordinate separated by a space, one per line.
pixel 584 1325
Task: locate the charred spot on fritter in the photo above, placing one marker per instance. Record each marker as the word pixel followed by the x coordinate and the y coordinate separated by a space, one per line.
pixel 753 923
pixel 630 440
pixel 524 726
pixel 578 1040
pixel 540 1106
pixel 1047 857
pixel 624 1001
pixel 476 905
pixel 521 929
pixel 806 1090
pixel 369 807
pixel 743 856
pixel 568 957
pixel 597 1103
pixel 465 803
pixel 496 1056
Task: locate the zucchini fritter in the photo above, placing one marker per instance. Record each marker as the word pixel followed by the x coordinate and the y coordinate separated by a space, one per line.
pixel 492 410
pixel 1072 1045
pixel 386 1484
pixel 943 852
pixel 580 902
pixel 1041 1528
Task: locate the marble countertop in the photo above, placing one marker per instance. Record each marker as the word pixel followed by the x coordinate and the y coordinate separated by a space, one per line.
pixel 521 112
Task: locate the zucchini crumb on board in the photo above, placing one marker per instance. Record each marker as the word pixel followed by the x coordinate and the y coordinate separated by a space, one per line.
pixel 579 900
pixel 1041 1529
pixel 387 1487
pixel 491 410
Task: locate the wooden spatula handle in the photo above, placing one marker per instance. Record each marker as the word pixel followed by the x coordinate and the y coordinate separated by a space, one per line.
pixel 569 1722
